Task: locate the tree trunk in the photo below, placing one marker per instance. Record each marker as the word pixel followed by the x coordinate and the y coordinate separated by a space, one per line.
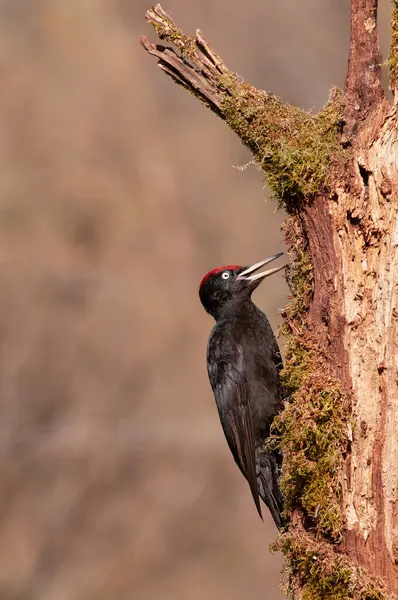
pixel 336 175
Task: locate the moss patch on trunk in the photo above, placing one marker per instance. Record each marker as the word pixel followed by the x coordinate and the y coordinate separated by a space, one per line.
pixel 312 430
pixel 321 574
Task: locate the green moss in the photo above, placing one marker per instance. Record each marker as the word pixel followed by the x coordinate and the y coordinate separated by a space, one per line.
pixel 313 436
pixel 393 54
pixel 292 146
pixel 298 276
pixel 321 574
pixel 312 429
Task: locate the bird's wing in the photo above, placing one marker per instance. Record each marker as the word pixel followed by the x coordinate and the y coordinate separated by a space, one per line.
pixel 226 369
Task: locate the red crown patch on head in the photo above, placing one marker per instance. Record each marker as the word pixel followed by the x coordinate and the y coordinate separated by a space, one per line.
pixel 217 270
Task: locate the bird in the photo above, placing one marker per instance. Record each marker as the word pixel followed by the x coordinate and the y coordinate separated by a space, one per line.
pixel 244 364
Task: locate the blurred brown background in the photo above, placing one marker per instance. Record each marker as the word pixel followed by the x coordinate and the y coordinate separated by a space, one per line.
pixel 117 193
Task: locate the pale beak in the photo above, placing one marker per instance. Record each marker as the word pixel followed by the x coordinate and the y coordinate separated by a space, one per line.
pixel 245 275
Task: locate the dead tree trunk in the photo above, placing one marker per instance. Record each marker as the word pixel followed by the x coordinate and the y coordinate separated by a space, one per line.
pixel 336 175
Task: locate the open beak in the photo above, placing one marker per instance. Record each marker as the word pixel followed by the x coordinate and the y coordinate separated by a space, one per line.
pixel 246 274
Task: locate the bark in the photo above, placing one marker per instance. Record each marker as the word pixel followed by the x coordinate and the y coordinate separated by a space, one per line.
pixel 345 210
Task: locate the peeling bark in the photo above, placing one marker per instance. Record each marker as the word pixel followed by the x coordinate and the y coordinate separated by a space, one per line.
pixel 346 209
pixel 368 244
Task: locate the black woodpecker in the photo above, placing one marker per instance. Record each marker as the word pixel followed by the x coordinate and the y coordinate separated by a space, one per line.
pixel 244 363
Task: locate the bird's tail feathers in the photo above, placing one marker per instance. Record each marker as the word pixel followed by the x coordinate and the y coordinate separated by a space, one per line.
pixel 268 485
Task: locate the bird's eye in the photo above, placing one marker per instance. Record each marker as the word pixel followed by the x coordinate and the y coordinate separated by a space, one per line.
pixel 225 275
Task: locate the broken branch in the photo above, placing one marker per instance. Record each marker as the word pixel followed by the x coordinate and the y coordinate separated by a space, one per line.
pixel 292 146
pixel 197 68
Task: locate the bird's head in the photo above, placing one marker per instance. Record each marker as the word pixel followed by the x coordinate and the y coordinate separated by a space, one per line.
pixel 232 284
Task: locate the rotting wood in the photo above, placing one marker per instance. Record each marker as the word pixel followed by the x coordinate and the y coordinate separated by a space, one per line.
pixel 345 213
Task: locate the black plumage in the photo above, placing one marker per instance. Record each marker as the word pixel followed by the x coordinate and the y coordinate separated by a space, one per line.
pixel 244 363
